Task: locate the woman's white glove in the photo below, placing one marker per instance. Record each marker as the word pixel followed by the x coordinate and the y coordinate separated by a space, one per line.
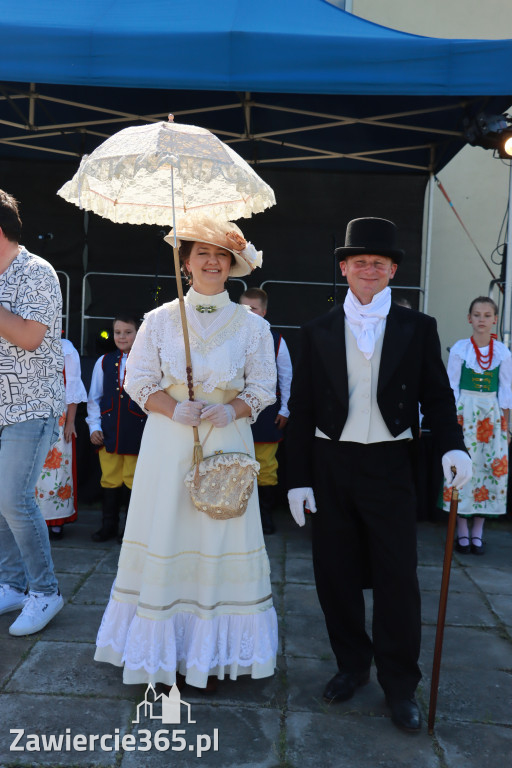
pixel 219 415
pixel 188 412
pixel 296 499
pixel 463 466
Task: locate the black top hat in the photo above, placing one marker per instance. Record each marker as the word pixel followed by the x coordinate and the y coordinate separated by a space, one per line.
pixel 370 236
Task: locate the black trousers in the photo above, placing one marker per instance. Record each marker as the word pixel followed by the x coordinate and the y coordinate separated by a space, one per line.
pixel 364 534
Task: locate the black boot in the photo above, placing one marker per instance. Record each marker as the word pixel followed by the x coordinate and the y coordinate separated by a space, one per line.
pixel 267 494
pixel 126 495
pixel 110 519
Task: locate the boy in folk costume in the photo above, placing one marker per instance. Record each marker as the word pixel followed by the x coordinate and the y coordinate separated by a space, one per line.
pixel 116 424
pixel 353 414
pixel 480 372
pixel 267 431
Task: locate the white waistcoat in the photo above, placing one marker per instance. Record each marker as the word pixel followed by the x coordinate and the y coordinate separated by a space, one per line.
pixel 364 421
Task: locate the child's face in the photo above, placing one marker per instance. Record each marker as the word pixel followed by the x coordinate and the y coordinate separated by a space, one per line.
pixel 124 335
pixel 482 318
pixel 255 305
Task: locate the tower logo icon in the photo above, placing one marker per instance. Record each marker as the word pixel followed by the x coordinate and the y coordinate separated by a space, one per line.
pixel 171 706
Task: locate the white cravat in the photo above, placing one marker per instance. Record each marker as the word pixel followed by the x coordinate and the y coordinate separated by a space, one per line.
pixel 366 321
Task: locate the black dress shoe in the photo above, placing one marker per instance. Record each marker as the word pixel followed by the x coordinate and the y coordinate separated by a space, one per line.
pixel 405 713
pixel 464 549
pixel 343 685
pixel 477 549
pixel 104 534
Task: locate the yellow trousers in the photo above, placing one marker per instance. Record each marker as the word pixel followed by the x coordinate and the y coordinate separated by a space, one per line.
pixel 266 455
pixel 116 469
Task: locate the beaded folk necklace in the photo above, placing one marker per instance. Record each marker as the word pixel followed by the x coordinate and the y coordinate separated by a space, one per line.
pixel 484 361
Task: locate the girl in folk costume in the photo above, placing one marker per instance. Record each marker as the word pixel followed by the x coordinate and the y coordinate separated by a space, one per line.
pixel 192 599
pixel 480 372
pixel 56 488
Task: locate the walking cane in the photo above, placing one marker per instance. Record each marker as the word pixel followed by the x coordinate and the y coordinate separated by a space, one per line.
pixel 441 615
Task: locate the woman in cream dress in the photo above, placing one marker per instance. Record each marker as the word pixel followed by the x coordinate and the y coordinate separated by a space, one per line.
pixel 192 595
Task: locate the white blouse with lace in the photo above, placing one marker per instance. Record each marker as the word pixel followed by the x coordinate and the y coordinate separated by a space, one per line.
pixel 231 348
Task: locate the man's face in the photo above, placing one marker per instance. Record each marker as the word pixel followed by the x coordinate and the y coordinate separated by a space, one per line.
pixel 255 305
pixel 367 275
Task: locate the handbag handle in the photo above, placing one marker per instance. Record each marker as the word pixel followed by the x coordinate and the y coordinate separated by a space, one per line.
pixel 236 427
pixel 197 455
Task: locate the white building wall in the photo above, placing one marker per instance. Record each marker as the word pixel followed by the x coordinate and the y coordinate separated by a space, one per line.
pixel 476 182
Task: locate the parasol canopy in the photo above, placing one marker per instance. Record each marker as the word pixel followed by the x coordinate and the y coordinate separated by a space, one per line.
pixel 151 173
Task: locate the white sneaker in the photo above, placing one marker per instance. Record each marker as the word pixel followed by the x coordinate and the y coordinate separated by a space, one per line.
pixel 39 609
pixel 11 599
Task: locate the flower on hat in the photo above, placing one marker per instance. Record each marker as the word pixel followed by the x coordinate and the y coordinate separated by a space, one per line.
pixel 238 242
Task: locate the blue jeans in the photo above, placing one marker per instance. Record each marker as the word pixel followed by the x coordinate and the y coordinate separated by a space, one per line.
pixel 25 555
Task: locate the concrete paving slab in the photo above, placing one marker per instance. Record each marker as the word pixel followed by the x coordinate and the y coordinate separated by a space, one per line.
pixel 75 559
pixel 69 583
pixel 481 649
pixel 462 698
pixel 299 570
pixel 247 738
pixel 430 576
pixel 76 623
pixel 12 649
pixel 502 607
pixel 41 714
pixel 301 599
pixel 306 638
pixel 463 609
pixel 494 581
pixel 431 545
pixel 96 590
pixel 354 741
pixel 475 746
pixel 276 570
pixel 61 668
pixel 108 561
pixel 298 543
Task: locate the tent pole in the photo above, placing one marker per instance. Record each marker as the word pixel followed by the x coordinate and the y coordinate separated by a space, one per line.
pixel 428 243
pixel 508 272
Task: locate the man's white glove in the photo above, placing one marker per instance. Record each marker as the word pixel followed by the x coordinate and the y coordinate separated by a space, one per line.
pixel 219 415
pixel 296 499
pixel 188 412
pixel 463 466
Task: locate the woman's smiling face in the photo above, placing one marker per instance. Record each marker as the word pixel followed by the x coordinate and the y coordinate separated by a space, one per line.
pixel 209 266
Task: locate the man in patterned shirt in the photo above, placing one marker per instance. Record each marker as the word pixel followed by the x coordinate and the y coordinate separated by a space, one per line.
pixel 31 400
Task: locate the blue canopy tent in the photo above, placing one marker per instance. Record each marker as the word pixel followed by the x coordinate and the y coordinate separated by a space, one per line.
pixel 236 47
pixel 342 116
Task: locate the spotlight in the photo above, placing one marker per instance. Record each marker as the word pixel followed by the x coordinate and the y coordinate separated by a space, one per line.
pixel 490 132
pixel 105 335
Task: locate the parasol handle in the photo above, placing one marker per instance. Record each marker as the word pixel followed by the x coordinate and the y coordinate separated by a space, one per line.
pixel 197 456
pixel 441 615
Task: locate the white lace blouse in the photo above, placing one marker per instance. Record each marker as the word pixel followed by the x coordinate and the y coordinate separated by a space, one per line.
pixel 231 348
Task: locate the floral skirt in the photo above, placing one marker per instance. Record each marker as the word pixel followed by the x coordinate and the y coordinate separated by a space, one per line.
pixel 56 487
pixel 485 436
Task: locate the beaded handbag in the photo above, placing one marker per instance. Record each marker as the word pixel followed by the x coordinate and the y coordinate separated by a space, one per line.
pixel 221 484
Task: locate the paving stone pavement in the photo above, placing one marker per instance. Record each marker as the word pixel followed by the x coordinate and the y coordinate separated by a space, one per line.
pixel 49 683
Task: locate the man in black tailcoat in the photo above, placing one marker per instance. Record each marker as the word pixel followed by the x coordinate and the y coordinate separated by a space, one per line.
pixel 362 370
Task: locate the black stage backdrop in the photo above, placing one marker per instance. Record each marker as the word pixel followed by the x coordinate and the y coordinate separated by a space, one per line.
pixel 297 237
